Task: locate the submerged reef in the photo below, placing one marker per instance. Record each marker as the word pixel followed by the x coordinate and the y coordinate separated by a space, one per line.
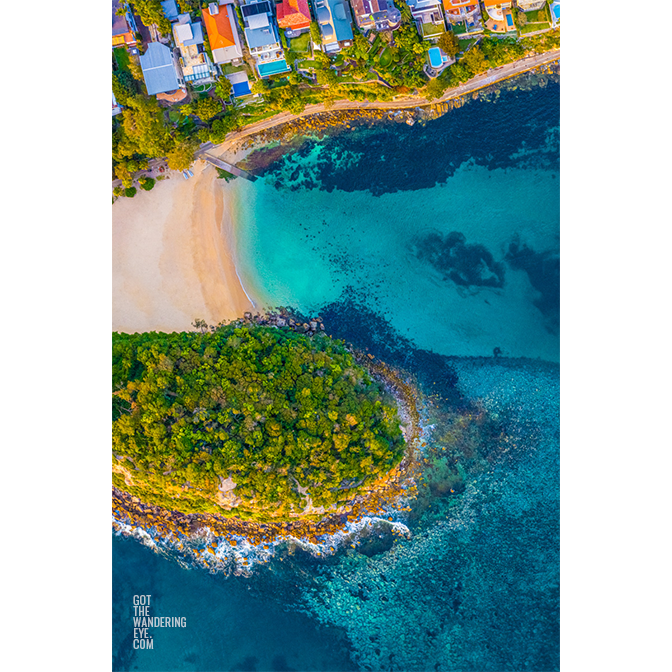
pixel 461 573
pixel 465 264
pixel 543 270
pixel 476 584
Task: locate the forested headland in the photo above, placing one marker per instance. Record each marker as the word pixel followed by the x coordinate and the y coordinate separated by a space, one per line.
pixel 247 420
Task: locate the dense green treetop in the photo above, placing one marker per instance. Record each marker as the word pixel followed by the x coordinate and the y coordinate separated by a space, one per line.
pixel 272 409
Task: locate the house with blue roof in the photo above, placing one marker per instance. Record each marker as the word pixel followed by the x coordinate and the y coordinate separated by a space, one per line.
pixel 160 70
pixel 263 39
pixel 170 10
pixel 335 21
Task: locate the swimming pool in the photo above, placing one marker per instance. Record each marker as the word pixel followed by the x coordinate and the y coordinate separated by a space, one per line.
pixel 556 11
pixel 509 20
pixel 435 59
pixel 273 68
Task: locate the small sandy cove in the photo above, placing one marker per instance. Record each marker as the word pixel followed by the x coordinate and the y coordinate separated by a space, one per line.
pixel 172 250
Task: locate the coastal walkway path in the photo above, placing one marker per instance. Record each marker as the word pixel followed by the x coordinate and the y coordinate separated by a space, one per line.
pixel 223 165
pixel 479 82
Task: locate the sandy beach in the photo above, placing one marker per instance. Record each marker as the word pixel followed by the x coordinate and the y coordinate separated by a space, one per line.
pixel 173 255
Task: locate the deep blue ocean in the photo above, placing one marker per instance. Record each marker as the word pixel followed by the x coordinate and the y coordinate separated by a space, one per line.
pixel 436 248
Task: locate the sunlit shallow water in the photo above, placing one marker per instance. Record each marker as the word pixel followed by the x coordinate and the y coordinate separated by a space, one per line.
pixel 429 246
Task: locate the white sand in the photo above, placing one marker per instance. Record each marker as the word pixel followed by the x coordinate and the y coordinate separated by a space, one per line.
pixel 173 258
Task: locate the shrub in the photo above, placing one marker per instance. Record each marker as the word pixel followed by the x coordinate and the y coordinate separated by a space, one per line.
pixel 272 409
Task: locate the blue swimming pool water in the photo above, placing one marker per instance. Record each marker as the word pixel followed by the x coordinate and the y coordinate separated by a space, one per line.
pixel 241 89
pixel 509 20
pixel 435 57
pixel 266 69
pixel 556 11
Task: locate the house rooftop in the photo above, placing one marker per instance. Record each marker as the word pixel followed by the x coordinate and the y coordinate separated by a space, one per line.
pixel 222 33
pixel 119 23
pixel 188 34
pixel 259 31
pixel 261 37
pixel 170 9
pixel 293 14
pixel 158 69
pixel 382 13
pixel 337 14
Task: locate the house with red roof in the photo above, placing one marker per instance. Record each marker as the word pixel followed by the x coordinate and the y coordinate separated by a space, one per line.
pixel 293 15
pixel 220 23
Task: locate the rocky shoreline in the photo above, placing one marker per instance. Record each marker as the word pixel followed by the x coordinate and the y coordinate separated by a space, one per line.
pixel 267 146
pixel 187 532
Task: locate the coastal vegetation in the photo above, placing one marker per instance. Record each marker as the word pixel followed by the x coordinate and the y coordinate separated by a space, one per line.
pixel 260 422
pixel 381 68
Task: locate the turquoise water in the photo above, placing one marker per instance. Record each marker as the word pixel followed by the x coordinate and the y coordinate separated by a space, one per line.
pixel 429 246
pixel 309 246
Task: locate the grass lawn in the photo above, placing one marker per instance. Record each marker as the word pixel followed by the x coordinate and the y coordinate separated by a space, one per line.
pixel 307 64
pixel 537 16
pixel 174 116
pixel 459 28
pixel 229 69
pixel 301 43
pixel 122 57
pixel 431 30
pixel 464 44
pixel 533 27
pixel 385 57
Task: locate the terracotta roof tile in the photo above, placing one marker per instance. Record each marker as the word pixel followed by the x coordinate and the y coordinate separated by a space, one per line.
pixel 219 27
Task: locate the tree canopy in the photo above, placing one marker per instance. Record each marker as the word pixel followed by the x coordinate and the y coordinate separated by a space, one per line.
pixel 151 12
pixel 282 415
pixel 182 155
pixel 449 43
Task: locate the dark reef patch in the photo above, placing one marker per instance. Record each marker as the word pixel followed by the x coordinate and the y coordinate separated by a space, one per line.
pixel 349 318
pixel 466 264
pixel 247 665
pixel 422 155
pixel 543 270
